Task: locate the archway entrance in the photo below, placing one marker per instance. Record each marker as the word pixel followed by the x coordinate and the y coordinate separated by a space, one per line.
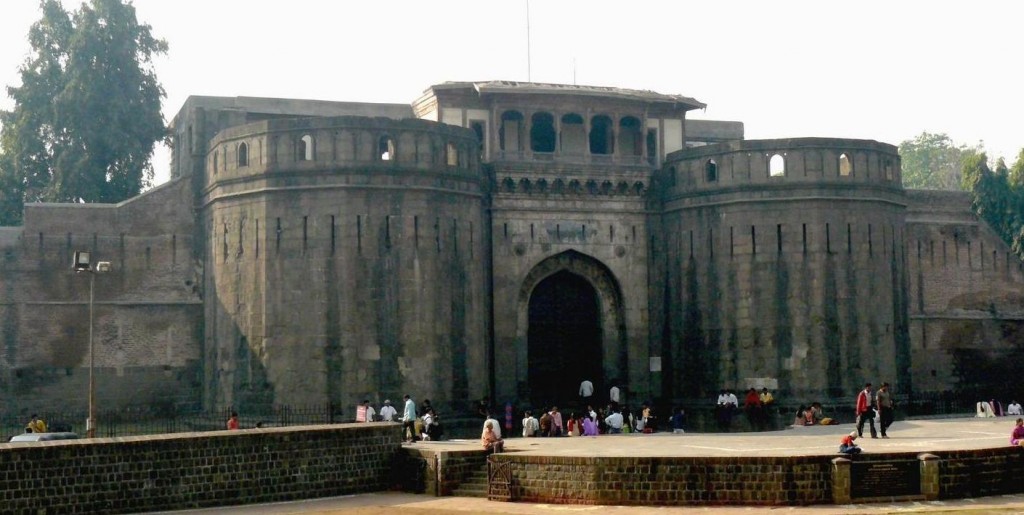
pixel 564 338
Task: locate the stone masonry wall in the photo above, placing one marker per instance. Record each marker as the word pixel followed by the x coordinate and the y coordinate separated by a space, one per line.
pixel 344 275
pixel 966 294
pixel 147 309
pixel 795 281
pixel 669 481
pixel 182 471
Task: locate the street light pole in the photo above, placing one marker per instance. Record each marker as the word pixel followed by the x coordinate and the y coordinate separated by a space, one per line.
pixel 82 263
pixel 90 423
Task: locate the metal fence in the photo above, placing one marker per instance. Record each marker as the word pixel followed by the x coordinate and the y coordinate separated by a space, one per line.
pixel 144 421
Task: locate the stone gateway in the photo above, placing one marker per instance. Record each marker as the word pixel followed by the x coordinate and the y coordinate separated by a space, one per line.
pixel 504 240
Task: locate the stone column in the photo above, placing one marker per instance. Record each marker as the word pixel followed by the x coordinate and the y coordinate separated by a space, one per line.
pixel 841 480
pixel 929 476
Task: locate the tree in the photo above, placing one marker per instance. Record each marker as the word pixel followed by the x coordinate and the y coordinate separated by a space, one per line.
pixel 933 161
pixel 998 197
pixel 87 113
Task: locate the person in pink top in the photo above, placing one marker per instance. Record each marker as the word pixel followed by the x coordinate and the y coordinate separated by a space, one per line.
pixel 557 429
pixel 1017 437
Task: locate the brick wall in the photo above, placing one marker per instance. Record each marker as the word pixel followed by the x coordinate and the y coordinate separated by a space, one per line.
pixel 168 472
pixel 670 481
pixel 981 473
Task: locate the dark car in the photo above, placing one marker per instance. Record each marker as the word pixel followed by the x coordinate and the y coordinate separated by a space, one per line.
pixel 44 437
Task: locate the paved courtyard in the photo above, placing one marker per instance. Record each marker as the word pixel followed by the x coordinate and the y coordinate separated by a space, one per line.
pixel 904 436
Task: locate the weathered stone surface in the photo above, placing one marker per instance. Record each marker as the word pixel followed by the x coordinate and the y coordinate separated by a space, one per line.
pixel 310 252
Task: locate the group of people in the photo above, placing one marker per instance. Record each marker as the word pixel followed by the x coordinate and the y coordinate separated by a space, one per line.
pixel 869 406
pixel 811 416
pixel 756 406
pixel 994 408
pixel 590 422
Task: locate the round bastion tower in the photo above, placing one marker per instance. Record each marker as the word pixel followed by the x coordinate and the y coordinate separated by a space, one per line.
pixel 784 266
pixel 345 262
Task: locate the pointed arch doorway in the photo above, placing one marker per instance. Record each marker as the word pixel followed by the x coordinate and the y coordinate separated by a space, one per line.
pixel 564 339
pixel 570 327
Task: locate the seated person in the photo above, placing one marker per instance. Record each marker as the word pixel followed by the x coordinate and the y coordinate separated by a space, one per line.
pixel 847 446
pixel 819 416
pixel 490 441
pixel 1017 437
pixel 801 416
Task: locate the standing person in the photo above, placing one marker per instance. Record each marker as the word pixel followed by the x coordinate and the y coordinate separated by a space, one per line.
pixel 370 412
pixel 545 424
pixel 557 428
pixel 36 424
pixel 613 395
pixel 1017 437
pixel 865 411
pixel 233 421
pixel 614 422
pixel 409 419
pixel 586 390
pixel 388 412
pixel 885 408
pixel 530 425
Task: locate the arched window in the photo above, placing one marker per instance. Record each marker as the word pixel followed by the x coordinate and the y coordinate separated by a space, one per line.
pixel 511 131
pixel 574 136
pixel 452 153
pixel 777 166
pixel 602 137
pixel 304 152
pixel 542 132
pixel 889 173
pixel 711 171
pixel 845 165
pixel 630 136
pixel 386 148
pixel 243 155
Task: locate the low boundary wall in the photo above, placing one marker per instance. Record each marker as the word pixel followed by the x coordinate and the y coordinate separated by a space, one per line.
pixel 195 470
pixel 754 480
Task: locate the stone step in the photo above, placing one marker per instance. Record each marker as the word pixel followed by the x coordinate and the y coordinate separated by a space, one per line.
pixel 470 491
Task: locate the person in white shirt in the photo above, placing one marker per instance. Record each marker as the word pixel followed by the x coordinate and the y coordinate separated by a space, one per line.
pixel 388 412
pixel 409 419
pixel 586 389
pixel 613 394
pixel 733 400
pixel 614 422
pixel 1014 409
pixel 530 425
pixel 723 398
pixel 370 412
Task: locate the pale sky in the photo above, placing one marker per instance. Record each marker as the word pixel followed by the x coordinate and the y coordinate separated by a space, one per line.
pixel 882 70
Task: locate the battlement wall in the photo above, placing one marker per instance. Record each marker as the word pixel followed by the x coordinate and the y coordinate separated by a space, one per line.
pixel 756 164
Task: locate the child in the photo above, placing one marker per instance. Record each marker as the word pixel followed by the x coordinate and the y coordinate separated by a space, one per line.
pixel 847 446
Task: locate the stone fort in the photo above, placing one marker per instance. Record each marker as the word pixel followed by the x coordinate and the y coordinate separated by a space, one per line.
pixel 505 239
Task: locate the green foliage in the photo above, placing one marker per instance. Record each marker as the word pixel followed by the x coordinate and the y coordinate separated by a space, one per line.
pixel 87 112
pixel 998 197
pixel 933 162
